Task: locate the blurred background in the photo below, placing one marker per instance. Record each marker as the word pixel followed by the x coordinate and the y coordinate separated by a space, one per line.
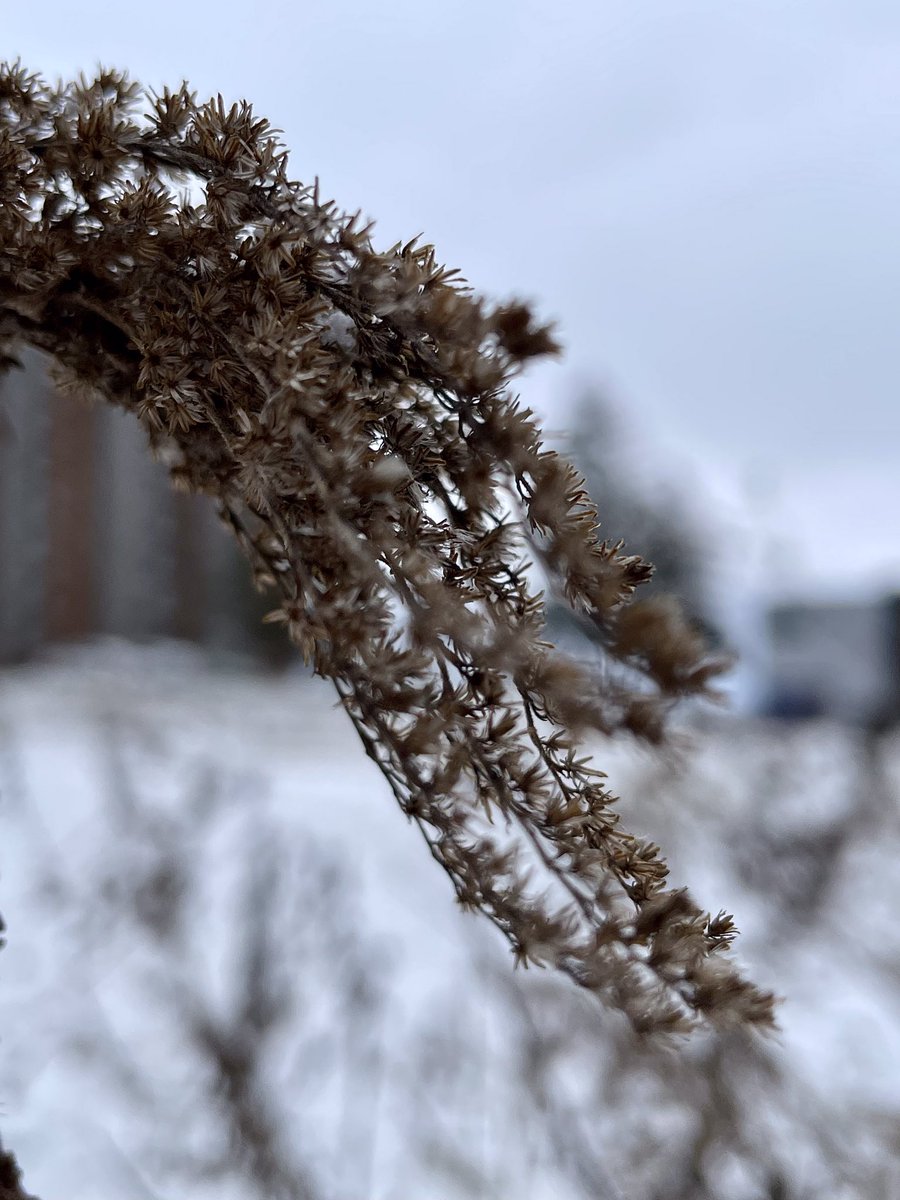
pixel 231 969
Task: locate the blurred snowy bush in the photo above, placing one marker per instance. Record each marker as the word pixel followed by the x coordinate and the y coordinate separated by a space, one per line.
pixel 211 989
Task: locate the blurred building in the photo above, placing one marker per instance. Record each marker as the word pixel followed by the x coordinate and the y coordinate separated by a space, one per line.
pixel 836 660
pixel 95 542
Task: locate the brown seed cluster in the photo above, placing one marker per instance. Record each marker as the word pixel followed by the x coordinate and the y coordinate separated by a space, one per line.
pixel 349 410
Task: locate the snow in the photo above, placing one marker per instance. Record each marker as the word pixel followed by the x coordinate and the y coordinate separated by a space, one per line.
pixel 754 817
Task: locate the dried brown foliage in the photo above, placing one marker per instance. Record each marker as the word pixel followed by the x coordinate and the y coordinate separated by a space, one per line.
pixel 349 412
pixel 11 1178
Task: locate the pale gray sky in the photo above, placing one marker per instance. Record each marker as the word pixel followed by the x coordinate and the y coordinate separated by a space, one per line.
pixel 703 194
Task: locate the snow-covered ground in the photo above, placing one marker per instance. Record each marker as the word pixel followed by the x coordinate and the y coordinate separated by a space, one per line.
pixel 411 1063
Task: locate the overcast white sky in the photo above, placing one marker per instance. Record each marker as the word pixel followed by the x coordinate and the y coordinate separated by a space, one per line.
pixel 705 195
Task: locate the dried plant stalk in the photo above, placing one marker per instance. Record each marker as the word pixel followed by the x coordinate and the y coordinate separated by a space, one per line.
pixel 349 411
pixel 11 1178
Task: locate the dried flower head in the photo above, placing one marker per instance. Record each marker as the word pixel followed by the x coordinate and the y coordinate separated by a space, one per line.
pixel 349 410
